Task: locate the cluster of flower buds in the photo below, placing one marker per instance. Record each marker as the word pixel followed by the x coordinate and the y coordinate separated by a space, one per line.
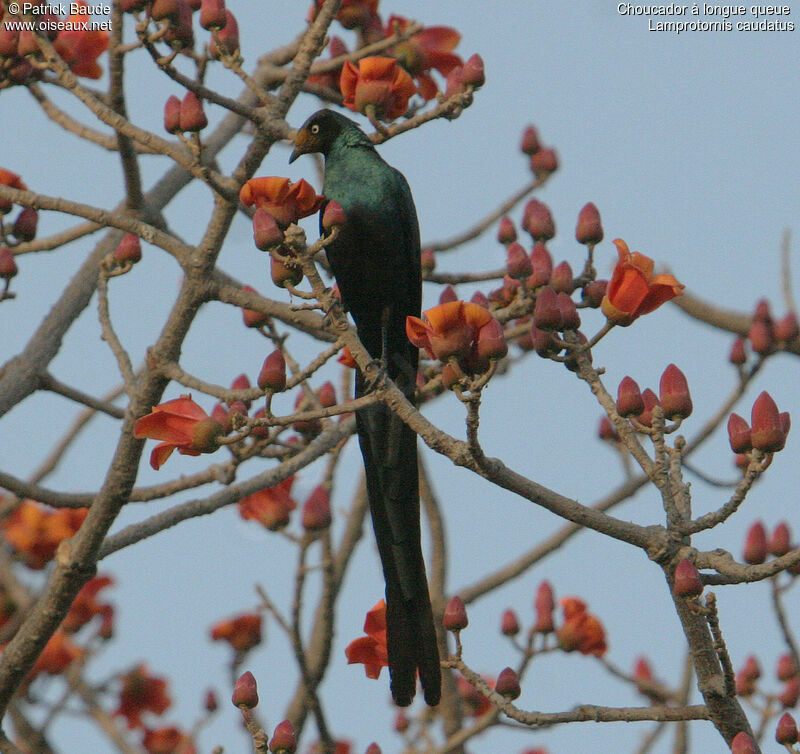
pixel 767 335
pixel 186 115
pixel 767 431
pixel 673 398
pixel 24 226
pixel 543 160
pixel 758 545
pixel 786 672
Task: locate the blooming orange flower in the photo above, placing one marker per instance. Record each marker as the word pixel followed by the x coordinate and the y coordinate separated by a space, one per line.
pixel 633 289
pixel 431 48
pixel 287 202
pixel 371 649
pixel 79 48
pixel 379 82
pixel 35 530
pixel 58 654
pixel 449 329
pixel 270 506
pixel 242 632
pixel 12 180
pixel 169 740
pixel 182 425
pixel 141 693
pixel 86 606
pixel 581 630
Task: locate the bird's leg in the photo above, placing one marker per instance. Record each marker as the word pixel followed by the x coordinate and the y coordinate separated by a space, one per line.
pixel 380 364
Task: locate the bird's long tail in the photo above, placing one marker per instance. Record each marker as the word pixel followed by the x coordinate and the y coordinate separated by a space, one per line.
pixel 389 448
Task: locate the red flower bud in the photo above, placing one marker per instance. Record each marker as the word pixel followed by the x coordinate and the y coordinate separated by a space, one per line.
pixel 607 431
pixel 786 668
pixel 546 314
pixel 767 428
pixel 162 9
pixel 192 118
pixel 593 293
pixel 448 294
pixel 544 162
pixel 751 668
pixel 518 265
pixel 642 671
pixel 629 398
pixel 211 702
pixel 27 44
pixel 333 216
pixel 687 581
pixel 738 355
pixel 544 605
pixel 373 748
pixel 251 317
pixel 506 232
pixel 237 407
pixel 25 225
pixel 739 434
pixel 542 264
pixel 786 329
pixel 455 615
pixel 538 221
pixel 472 72
pixel 491 343
pixel 650 402
pixel 742 744
pixel 284 738
pixel 245 691
pixel 744 684
pixel 570 319
pixel 266 232
pixel 762 312
pixel 760 337
pixel 561 279
pixel 530 141
pixel 427 261
pixel 128 250
pixel 589 229
pixel 479 299
pixel 755 544
pixel 450 376
pixel 226 40
pixel 507 684
pixel 317 510
pixel 674 394
pixel 9 39
pixel 212 14
pixel 543 342
pixel 781 540
pixel 283 275
pixel 790 694
pixel 172 115
pixel 509 624
pixel 327 395
pixel 273 372
pixel 786 732
pixel 454 83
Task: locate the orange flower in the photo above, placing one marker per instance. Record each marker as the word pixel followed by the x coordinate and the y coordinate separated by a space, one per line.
pixel 58 654
pixel 449 329
pixel 581 630
pixel 170 740
pixel 182 425
pixel 270 506
pixel 431 48
pixel 12 180
pixel 140 693
pixel 377 82
pixel 86 606
pixel 287 202
pixel 633 289
pixel 35 531
pixel 371 649
pixel 80 48
pixel 242 632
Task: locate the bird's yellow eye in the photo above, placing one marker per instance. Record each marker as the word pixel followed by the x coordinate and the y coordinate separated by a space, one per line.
pixel 314 129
